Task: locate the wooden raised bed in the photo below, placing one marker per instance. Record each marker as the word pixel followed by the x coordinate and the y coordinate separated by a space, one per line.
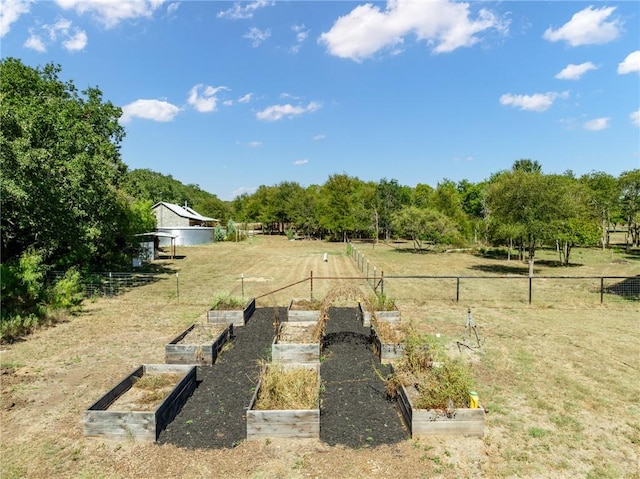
pixel 284 423
pixel 238 317
pixel 387 352
pixel 300 310
pixel 294 343
pixel 365 316
pixel 198 344
pixel 429 422
pixel 125 412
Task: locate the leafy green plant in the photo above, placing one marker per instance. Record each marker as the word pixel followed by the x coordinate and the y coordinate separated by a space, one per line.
pixel 440 384
pixel 381 302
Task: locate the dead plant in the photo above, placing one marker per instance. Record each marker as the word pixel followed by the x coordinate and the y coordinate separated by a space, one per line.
pixel 340 292
pixel 287 388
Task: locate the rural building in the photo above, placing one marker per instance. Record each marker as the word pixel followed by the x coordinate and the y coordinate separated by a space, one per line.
pixel 169 215
pixel 184 224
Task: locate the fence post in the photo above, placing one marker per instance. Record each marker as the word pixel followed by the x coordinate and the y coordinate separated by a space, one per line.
pixel 177 288
pixel 374 279
pixel 367 271
pixel 311 281
pixel 382 283
pixel 458 289
pixel 110 285
pixel 530 288
pixel 601 290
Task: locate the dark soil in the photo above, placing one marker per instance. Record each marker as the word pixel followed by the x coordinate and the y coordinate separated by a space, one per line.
pixel 354 411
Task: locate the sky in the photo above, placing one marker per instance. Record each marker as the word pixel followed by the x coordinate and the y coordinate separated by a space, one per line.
pixel 234 95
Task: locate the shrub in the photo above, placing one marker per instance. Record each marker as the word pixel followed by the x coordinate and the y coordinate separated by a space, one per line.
pixel 440 383
pixel 67 292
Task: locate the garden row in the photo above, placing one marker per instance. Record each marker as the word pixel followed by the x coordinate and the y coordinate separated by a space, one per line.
pixel 286 401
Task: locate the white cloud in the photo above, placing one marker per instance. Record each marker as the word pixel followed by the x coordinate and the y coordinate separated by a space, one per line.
pixel 34 42
pixel 630 64
pixel 257 36
pixel 72 38
pixel 597 124
pixel 156 110
pixel 635 117
pixel 444 25
pixel 249 190
pixel 535 102
pixel 246 98
pixel 319 137
pixel 300 162
pixel 10 13
pixel 574 72
pixel 239 11
pixel 301 35
pixel 255 144
pixel 277 112
pixel 587 27
pixel 203 98
pixel 110 12
pixel 172 8
pixel 76 42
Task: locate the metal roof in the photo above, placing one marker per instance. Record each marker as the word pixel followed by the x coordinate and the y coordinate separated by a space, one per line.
pixel 184 211
pixel 161 234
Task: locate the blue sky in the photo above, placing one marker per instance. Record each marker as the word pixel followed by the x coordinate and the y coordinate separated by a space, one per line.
pixel 233 95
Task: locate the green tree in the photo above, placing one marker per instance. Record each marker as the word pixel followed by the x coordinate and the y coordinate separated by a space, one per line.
pixel 390 197
pixel 630 205
pixel 61 168
pixel 425 224
pixel 527 166
pixel 338 205
pixel 531 202
pixel 604 196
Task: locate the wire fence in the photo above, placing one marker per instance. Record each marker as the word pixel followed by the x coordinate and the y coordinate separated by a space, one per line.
pixel 505 288
pixel 109 284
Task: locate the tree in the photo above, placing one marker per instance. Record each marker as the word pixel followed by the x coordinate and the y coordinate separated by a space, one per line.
pixel 604 195
pixel 630 205
pixel 338 205
pixel 527 166
pixel 390 198
pixel 446 199
pixel 530 201
pixel 421 195
pixel 61 168
pixel 422 225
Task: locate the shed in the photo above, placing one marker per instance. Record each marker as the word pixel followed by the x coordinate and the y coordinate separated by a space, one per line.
pixel 150 243
pixel 169 215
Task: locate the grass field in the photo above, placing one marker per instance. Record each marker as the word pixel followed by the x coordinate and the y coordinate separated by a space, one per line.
pixel 560 377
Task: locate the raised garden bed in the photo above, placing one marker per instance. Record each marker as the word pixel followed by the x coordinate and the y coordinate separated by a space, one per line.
pixel 387 351
pixel 198 344
pixel 430 422
pixel 237 317
pixel 303 310
pixel 294 343
pixel 285 423
pixel 141 405
pixel 392 315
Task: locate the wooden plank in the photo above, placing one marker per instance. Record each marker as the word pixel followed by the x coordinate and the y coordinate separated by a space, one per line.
pixel 99 421
pixel 200 353
pixel 295 353
pixel 284 424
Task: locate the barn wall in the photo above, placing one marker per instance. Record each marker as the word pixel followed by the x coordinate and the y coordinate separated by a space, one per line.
pixel 167 218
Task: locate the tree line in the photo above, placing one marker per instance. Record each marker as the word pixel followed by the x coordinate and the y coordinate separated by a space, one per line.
pixel 70 203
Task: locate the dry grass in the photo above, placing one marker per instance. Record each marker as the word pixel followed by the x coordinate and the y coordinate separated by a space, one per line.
pixel 559 377
pixel 147 392
pixel 287 388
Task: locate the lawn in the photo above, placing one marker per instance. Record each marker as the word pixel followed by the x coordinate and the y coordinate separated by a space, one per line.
pixel 559 376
